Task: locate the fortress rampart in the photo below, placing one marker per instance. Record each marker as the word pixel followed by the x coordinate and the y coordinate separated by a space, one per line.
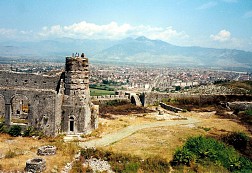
pixel 25 80
pixel 52 104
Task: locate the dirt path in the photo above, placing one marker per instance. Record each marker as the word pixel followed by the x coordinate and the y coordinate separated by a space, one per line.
pixel 123 133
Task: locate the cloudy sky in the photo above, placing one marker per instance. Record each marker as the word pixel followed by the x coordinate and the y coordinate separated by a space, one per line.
pixel 206 23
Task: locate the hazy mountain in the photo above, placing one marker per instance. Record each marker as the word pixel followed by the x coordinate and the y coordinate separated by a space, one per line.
pixel 144 50
pixel 129 50
pixel 52 49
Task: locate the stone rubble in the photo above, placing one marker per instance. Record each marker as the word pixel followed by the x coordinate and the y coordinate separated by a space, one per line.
pixel 98 165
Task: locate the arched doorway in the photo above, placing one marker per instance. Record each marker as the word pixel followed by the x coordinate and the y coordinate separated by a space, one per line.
pixel 71 124
pixel 19 109
pixel 132 100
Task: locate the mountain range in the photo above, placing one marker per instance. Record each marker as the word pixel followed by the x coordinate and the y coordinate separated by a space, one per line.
pixel 129 50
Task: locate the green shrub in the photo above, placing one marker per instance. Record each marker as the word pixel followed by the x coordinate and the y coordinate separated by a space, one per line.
pixel 203 150
pixel 31 131
pixel 238 140
pixel 155 164
pixel 3 128
pixel 248 112
pixel 15 130
pixel 131 167
pixel 183 156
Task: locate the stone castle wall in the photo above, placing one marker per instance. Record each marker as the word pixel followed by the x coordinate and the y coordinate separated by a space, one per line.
pixel 56 104
pixel 155 97
pixel 25 80
pixel 41 113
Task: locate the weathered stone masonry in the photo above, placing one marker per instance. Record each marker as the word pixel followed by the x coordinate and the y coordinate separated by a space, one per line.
pixel 56 104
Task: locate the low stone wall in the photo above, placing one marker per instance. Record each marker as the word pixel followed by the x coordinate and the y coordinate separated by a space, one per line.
pixel 105 102
pixel 241 106
pixel 35 165
pixel 169 107
pixel 151 98
pixel 109 97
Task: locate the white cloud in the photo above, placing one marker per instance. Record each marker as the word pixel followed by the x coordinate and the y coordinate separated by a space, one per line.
pixel 15 34
pixel 248 14
pixel 207 5
pixel 113 30
pixel 87 30
pixel 7 32
pixel 222 36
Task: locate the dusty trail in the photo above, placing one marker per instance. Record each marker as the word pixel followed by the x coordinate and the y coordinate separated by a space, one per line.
pixel 125 132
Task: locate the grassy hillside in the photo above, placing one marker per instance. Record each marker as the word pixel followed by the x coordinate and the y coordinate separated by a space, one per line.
pixel 247 85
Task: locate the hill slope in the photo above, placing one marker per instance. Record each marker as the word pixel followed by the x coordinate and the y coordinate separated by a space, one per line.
pixel 129 50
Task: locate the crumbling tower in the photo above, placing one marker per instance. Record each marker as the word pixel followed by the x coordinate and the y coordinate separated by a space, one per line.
pixel 78 113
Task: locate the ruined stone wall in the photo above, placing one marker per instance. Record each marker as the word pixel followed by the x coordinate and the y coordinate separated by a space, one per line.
pixel 41 103
pixel 2 106
pixel 24 80
pixel 54 104
pixel 151 98
pixel 109 97
pixel 240 106
pixel 170 108
pixel 58 108
pixel 42 114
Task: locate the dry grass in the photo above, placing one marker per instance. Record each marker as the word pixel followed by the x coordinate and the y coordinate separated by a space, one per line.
pixel 159 141
pixel 121 121
pixel 163 141
pixel 26 148
pixel 218 126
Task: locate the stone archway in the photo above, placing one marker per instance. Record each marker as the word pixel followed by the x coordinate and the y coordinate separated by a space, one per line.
pixel 19 108
pixel 132 100
pixel 135 100
pixel 71 124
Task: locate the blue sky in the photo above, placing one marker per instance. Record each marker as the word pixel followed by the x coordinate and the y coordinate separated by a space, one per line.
pixel 206 23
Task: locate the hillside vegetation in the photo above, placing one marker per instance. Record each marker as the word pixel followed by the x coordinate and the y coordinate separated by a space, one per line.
pixel 246 85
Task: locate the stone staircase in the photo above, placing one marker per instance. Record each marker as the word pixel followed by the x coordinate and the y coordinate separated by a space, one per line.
pixel 72 137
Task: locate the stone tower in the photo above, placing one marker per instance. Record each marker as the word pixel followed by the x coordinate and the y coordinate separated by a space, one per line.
pixel 79 115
